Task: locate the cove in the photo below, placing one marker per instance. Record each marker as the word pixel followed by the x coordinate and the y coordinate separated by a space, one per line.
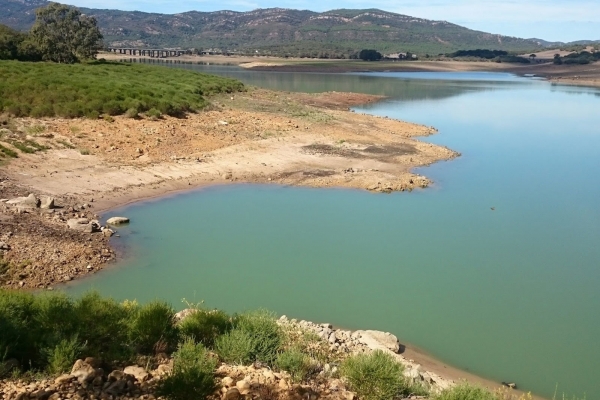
pixel 494 269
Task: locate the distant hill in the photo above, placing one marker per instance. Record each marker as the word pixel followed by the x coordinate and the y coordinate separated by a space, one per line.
pixel 280 31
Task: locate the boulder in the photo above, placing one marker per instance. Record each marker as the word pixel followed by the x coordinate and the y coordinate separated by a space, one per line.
pixel 138 372
pixel 25 202
pixel 47 203
pixel 4 246
pixel 227 382
pixel 243 386
pixel 232 394
pixel 83 371
pixel 379 340
pixel 117 221
pixel 83 225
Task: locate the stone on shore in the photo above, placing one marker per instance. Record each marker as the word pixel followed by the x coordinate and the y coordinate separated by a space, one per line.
pixel 47 203
pixel 117 220
pixel 83 225
pixel 25 202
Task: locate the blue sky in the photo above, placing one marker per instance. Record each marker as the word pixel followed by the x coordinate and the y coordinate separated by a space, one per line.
pixel 554 20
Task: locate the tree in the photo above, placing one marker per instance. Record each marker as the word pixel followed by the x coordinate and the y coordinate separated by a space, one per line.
pixel 532 57
pixel 370 55
pixel 64 35
pixel 557 59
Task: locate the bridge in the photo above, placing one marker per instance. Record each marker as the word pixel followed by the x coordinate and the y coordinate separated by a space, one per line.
pixel 155 53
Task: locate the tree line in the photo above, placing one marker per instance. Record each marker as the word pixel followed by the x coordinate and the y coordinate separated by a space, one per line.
pixel 60 34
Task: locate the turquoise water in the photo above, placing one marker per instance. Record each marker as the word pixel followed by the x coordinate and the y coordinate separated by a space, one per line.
pixel 509 293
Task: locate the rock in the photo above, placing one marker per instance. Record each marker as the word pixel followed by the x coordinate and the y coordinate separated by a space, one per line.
pixel 232 394
pixel 4 246
pixel 163 369
pixel 83 371
pixel 80 224
pixel 117 221
pixel 116 388
pixel 379 340
pixel 25 202
pixel 65 378
pixel 227 381
pixel 243 386
pixel 138 372
pixel 268 374
pixel 47 203
pixel 283 385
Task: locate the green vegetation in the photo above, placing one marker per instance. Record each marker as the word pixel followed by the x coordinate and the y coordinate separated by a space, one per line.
pixel 334 35
pixel 193 373
pixel 374 376
pixel 294 361
pixel 479 53
pixel 77 90
pixel 370 55
pixel 62 34
pixel 464 391
pixel 583 57
pixel 206 326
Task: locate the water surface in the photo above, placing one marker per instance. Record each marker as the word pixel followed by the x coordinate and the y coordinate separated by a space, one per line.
pixel 494 269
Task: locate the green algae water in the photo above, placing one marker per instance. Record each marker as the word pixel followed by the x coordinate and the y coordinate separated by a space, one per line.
pixel 495 269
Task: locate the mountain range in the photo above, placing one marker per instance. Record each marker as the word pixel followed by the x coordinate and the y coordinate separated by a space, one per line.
pixel 277 31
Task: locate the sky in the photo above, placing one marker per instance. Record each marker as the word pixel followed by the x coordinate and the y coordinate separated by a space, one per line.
pixel 552 20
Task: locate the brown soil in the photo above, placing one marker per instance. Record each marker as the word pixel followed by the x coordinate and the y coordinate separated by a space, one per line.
pixel 257 136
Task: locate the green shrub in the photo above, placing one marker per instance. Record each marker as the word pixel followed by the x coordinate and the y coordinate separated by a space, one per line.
pixel 465 391
pixel 296 363
pixel 103 325
pixel 84 152
pixel 8 152
pixel 71 91
pixel 131 113
pixel 374 376
pixel 153 328
pixel 235 347
pixel 267 336
pixel 193 374
pixel 63 355
pixel 153 114
pixel 205 326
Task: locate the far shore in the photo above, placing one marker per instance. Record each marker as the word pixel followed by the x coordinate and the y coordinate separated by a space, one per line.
pixel 579 75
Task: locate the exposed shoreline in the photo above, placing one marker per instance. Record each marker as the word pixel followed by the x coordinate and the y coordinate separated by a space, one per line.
pixel 578 75
pixel 357 151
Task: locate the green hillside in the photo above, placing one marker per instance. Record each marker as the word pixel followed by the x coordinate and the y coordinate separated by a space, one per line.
pixel 335 33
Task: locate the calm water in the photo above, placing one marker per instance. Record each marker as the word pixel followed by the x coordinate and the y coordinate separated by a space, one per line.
pixel 510 293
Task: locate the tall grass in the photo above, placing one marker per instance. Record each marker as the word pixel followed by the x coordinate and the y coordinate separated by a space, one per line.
pixel 78 90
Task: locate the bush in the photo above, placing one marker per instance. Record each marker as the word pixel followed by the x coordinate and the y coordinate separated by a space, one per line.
pixel 103 325
pixel 63 355
pixel 131 113
pixel 205 326
pixel 374 376
pixel 45 89
pixel 266 335
pixel 153 328
pixel 153 114
pixel 193 374
pixel 296 363
pixel 235 347
pixel 464 391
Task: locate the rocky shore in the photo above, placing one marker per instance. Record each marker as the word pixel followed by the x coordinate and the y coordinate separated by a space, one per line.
pixel 89 379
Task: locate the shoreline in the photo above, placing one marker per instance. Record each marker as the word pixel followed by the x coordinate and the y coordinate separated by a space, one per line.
pixel 578 75
pixel 338 159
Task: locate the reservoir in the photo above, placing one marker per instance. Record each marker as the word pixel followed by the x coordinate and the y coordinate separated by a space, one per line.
pixel 494 269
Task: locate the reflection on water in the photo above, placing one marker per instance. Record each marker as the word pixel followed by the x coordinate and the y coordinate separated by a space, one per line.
pixel 494 268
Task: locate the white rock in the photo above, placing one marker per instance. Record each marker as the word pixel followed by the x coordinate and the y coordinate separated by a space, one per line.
pixel 117 220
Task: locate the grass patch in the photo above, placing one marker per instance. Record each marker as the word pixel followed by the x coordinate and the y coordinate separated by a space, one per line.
pixel 84 152
pixel 296 363
pixel 375 376
pixel 35 129
pixel 78 90
pixel 8 152
pixel 193 373
pixel 206 326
